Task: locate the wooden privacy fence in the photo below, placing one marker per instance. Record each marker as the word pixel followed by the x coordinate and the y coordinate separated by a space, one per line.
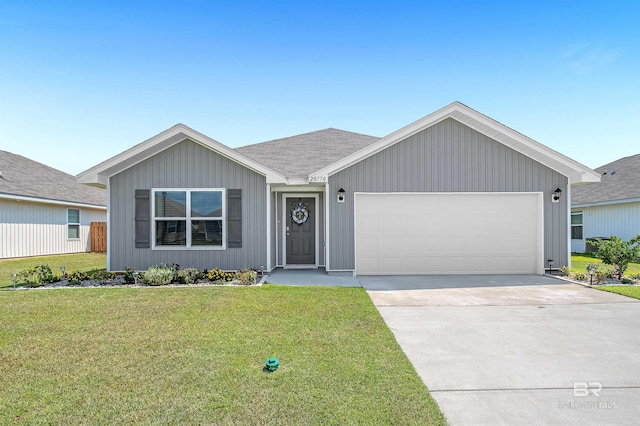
pixel 99 237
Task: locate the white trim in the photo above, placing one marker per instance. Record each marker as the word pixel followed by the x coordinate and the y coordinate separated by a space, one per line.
pixel 268 226
pixel 576 172
pixel 109 225
pixel 606 203
pixel 188 219
pixel 48 201
pixel 285 196
pixel 276 233
pixel 569 226
pixel 174 135
pixel 298 188
pixel 326 227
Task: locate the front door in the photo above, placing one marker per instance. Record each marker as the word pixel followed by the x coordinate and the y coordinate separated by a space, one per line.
pixel 301 231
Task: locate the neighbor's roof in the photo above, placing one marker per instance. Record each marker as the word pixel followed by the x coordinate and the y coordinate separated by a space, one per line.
pixel 620 180
pixel 576 172
pixel 23 178
pixel 300 155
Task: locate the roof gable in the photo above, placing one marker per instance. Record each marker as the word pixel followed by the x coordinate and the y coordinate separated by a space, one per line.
pixel 576 172
pixel 100 174
pixel 298 156
pixel 27 179
pixel 620 180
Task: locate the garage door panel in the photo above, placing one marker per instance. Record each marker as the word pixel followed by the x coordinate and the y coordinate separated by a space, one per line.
pixel 448 233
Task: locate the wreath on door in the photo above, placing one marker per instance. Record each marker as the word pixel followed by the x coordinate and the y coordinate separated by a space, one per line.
pixel 299 213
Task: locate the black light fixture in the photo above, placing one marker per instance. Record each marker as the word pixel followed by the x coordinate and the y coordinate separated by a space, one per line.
pixel 341 193
pixel 555 197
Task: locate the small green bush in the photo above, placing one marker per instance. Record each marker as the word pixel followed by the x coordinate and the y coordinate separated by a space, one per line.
pixel 604 272
pixel 159 275
pixel 128 276
pixel 626 281
pixel 189 275
pixel 37 276
pixel 245 277
pixel 565 271
pixel 75 277
pixel 581 276
pixel 101 275
pixel 219 275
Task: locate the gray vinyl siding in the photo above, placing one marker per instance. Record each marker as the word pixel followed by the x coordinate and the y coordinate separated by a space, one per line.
pixel 447 157
pixel 188 165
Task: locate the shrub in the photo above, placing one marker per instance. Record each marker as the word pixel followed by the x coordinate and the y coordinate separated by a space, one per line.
pixel 159 275
pixel 245 277
pixel 617 252
pixel 565 271
pixel 37 276
pixel 101 275
pixel 603 273
pixel 581 276
pixel 189 275
pixel 75 277
pixel 626 281
pixel 219 275
pixel 128 276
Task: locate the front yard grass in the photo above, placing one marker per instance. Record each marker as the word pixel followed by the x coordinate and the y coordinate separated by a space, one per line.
pixel 629 291
pixel 196 356
pixel 579 263
pixel 71 262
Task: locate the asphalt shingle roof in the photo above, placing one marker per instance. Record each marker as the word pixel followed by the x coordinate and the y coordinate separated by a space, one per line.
pixel 620 180
pixel 298 156
pixel 25 177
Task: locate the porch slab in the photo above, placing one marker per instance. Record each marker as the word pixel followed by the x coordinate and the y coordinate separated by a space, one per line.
pixel 314 277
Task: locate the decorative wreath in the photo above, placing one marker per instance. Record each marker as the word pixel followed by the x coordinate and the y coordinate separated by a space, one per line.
pixel 299 214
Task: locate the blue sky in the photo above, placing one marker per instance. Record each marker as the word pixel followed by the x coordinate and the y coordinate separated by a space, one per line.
pixel 82 81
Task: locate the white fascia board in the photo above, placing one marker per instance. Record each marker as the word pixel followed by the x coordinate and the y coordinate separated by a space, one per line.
pixel 575 172
pixel 48 201
pixel 144 150
pixel 606 203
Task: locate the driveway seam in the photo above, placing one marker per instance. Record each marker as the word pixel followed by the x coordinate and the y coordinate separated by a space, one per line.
pixel 524 389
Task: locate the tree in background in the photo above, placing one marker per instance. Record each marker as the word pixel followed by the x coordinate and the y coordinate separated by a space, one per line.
pixel 618 253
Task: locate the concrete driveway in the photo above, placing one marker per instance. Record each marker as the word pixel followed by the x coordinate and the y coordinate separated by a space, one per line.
pixel 517 349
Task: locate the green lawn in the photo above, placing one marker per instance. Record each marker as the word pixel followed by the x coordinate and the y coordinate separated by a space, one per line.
pixel 71 262
pixel 579 263
pixel 623 290
pixel 195 356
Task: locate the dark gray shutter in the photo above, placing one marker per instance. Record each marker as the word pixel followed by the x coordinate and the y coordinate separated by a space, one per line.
pixel 143 218
pixel 234 218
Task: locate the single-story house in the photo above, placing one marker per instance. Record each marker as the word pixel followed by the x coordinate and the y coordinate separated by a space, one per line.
pixel 43 210
pixel 455 192
pixel 609 207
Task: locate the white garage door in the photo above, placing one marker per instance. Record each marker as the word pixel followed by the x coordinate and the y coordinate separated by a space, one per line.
pixel 448 233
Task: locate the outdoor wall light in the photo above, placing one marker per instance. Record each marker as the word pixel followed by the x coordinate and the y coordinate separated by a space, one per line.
pixel 341 195
pixel 555 197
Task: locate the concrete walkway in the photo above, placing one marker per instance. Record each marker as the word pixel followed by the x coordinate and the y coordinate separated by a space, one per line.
pixel 518 353
pixel 317 277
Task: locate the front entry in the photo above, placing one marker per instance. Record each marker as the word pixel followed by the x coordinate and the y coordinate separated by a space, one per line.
pixel 300 231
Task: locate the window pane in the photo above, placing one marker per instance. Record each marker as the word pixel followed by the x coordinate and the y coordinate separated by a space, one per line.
pixel 171 233
pixel 73 216
pixel 206 233
pixel 171 203
pixel 576 218
pixel 576 232
pixel 73 231
pixel 206 204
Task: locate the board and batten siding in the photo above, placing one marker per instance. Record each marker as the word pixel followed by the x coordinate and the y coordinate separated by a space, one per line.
pixel 622 220
pixel 447 157
pixel 187 165
pixel 38 229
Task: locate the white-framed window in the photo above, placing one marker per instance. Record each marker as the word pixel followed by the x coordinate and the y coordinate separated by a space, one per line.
pixel 189 219
pixel 576 225
pixel 73 224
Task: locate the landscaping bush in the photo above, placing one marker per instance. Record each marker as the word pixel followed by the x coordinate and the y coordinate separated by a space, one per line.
pixel 581 276
pixel 617 252
pixel 565 271
pixel 75 277
pixel 101 275
pixel 37 276
pixel 245 277
pixel 219 275
pixel 189 275
pixel 128 276
pixel 159 275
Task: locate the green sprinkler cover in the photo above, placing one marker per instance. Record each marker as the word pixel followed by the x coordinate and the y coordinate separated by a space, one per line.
pixel 272 364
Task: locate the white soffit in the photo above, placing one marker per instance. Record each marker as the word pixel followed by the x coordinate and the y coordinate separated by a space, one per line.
pixel 176 134
pixel 576 172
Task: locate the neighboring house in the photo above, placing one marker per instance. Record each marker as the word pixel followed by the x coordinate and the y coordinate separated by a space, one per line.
pixel 610 207
pixel 43 210
pixel 454 192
